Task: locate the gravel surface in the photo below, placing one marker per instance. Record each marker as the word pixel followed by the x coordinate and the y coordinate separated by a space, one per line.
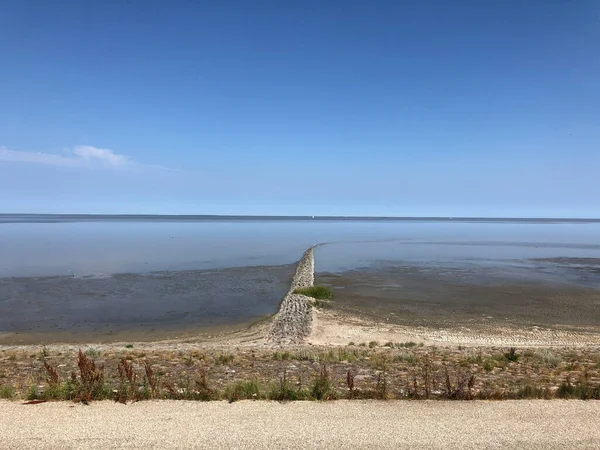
pixel 404 424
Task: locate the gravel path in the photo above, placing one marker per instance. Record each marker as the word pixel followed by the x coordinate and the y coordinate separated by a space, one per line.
pixel 403 424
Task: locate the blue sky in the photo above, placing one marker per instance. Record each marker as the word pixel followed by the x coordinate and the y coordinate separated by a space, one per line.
pixel 487 108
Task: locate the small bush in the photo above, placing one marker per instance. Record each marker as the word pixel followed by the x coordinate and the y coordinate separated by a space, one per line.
pixel 405 357
pixel 284 391
pixel 322 388
pixel 61 391
pixel 512 355
pixel 347 355
pixel 7 392
pixel 318 292
pixel 381 388
pixel 225 358
pixel 127 382
pixel 89 385
pixel 373 344
pixel 530 391
pixel 243 390
pixel 32 393
pixel 548 358
pixel 282 355
pixel 92 352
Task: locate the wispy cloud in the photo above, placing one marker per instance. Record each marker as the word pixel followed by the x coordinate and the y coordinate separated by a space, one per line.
pixel 89 153
pixel 79 156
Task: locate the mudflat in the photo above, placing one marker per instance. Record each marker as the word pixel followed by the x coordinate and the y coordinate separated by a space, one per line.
pixel 436 298
pixel 145 306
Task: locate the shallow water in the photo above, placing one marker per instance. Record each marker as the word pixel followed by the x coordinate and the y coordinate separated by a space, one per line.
pixel 159 303
pixel 107 247
pixel 99 269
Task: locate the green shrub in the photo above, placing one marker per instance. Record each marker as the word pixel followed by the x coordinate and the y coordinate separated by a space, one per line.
pixel 7 392
pixel 322 388
pixel 284 391
pixel 62 391
pixel 92 352
pixel 224 358
pixel 32 393
pixel 512 355
pixel 282 355
pixel 529 391
pixel 243 390
pixel 318 292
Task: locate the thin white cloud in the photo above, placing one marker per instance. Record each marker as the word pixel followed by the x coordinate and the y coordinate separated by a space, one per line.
pixel 79 156
pixel 38 158
pixel 90 153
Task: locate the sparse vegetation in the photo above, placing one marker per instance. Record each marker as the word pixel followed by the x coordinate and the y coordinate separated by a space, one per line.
pixel 357 372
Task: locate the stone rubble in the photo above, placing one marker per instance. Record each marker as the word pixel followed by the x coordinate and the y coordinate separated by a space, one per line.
pixel 293 322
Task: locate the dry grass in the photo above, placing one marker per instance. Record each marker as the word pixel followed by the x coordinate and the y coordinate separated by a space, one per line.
pixel 397 371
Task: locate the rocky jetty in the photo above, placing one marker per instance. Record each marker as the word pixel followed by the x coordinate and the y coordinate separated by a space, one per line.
pixel 293 323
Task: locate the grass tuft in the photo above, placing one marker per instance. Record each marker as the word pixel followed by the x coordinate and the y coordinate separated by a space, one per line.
pixel 225 358
pixel 317 292
pixel 284 391
pixel 512 355
pixel 92 352
pixel 7 392
pixel 243 390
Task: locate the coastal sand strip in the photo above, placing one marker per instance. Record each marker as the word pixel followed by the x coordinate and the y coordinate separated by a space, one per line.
pixel 293 322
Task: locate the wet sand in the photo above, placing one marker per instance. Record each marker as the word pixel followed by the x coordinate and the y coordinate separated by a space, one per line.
pixel 138 307
pixel 218 305
pixel 439 298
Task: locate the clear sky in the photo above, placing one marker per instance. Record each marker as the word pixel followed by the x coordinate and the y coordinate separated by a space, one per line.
pixel 453 108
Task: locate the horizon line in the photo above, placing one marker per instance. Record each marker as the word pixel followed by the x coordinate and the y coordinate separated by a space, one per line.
pixel 28 217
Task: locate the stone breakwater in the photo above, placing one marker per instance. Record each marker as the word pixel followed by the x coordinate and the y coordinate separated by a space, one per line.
pixel 293 322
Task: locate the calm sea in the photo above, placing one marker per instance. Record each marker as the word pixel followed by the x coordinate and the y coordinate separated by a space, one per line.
pixel 103 247
pixel 104 275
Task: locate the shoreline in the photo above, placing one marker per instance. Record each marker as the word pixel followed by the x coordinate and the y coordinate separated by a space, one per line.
pixel 297 322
